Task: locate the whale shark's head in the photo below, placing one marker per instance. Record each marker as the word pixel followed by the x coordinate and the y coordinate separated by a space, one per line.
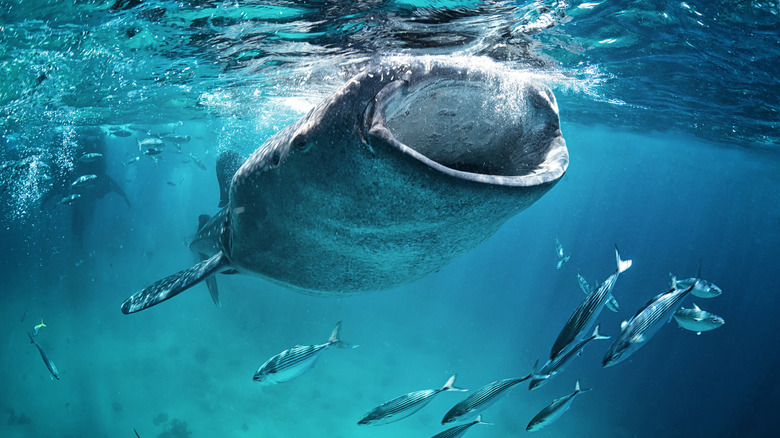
pixel 473 120
pixel 409 164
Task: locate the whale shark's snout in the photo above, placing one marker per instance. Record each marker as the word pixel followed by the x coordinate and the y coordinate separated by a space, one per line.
pixel 407 166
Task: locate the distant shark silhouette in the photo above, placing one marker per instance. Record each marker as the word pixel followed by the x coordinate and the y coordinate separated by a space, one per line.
pixel 87 140
pixel 407 166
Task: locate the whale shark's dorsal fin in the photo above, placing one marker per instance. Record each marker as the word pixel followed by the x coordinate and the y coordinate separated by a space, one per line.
pixel 175 284
pixel 228 163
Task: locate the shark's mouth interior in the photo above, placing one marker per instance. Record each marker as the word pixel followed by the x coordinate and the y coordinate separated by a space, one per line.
pixel 474 129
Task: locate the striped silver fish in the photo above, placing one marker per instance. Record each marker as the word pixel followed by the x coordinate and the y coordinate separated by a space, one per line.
pixel 554 410
pixel 481 399
pixel 49 364
pixel 554 366
pixel 583 317
pixel 295 361
pixel 647 321
pixel 455 432
pixel 405 405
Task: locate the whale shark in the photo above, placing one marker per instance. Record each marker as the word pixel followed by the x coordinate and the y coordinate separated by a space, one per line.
pixel 409 164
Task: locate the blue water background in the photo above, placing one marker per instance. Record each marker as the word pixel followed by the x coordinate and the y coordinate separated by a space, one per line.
pixel 675 161
pixel 667 200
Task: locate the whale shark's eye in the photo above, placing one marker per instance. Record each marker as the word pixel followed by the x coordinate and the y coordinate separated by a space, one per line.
pixel 300 144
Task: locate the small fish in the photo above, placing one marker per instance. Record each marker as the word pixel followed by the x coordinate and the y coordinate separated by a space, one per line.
pixel 554 366
pixel 585 314
pixel 136 433
pixel 562 261
pixel 69 199
pixel 197 162
pixel 132 160
pixel 554 410
pixel 91 157
pixel 38 327
pixel 703 289
pixel 611 303
pixel 152 151
pixel 49 364
pixel 178 139
pixel 84 180
pixel 697 320
pixel 559 251
pixel 120 132
pixel 405 405
pixel 481 399
pixel 295 361
pixel 645 323
pixel 170 183
pixel 151 142
pixel 455 432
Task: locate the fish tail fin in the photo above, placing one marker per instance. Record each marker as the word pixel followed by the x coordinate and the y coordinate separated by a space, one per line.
pixel 479 420
pixel 578 389
pixel 175 284
pixel 596 335
pixel 335 338
pixel 622 265
pixel 450 385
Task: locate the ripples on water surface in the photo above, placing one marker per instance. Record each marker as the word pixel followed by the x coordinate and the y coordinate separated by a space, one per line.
pixel 707 67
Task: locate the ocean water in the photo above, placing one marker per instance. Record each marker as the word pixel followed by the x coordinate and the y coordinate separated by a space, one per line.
pixel 669 111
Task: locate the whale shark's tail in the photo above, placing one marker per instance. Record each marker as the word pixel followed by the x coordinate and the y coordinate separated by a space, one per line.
pixel 175 284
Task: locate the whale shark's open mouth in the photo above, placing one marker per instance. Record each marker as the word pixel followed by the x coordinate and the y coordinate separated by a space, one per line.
pixel 473 126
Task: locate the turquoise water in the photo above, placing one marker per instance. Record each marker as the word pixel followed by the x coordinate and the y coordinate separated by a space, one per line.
pixel 654 168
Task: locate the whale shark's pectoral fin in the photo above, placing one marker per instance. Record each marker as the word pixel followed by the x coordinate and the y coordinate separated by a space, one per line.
pixel 211 284
pixel 175 284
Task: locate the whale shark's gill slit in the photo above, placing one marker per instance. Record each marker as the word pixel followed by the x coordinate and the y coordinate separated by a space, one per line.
pixel 175 284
